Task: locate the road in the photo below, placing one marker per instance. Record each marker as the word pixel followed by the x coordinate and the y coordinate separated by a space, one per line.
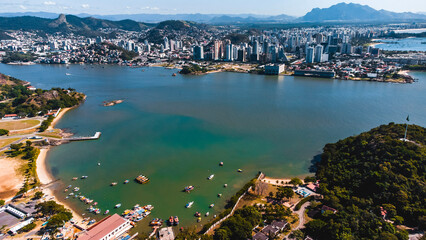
pixel 301 214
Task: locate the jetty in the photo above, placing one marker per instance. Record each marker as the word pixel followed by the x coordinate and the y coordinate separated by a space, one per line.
pixel 94 137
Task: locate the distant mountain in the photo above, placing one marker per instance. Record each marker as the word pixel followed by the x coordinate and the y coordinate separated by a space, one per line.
pixel 356 12
pixel 68 24
pixel 156 18
pixel 32 14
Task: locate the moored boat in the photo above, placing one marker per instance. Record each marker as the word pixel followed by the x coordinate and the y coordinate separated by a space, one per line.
pixel 113 183
pixel 189 188
pixel 126 181
pixel 211 205
pixel 84 177
pixel 197 214
pixel 118 205
pixel 207 214
pixel 142 179
pixel 239 170
pixel 211 177
pixel 225 185
pixel 74 178
pixel 171 220
pixel 106 212
pixel 189 205
pixel 221 164
pixel 176 220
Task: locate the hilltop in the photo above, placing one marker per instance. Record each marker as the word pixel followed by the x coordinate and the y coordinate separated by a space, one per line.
pixel 88 26
pixel 375 182
pixel 173 28
pixel 356 12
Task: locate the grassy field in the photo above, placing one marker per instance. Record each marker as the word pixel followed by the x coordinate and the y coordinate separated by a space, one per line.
pixel 18 124
pixel 8 141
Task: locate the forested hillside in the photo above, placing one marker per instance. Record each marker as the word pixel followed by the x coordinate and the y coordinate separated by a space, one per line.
pixel 376 182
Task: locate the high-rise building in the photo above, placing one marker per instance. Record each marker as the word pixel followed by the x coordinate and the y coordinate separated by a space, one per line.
pixel 310 55
pixel 318 53
pixel 216 49
pixel 198 53
pixel 229 55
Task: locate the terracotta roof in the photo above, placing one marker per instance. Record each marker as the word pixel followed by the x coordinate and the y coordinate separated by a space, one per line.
pixel 103 228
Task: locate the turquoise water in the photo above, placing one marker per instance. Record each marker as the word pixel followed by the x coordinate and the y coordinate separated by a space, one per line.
pixel 177 129
pixel 405 44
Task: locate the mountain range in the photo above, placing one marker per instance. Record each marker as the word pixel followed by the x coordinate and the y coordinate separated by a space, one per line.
pixel 86 24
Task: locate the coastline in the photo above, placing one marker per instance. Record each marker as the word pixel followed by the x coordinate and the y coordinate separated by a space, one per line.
pixel 46 178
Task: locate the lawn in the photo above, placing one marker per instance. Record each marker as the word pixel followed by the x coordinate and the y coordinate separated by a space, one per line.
pixel 5 142
pixel 18 124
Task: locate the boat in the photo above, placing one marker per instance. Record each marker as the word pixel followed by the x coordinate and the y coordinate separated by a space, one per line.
pixel 83 177
pixel 174 74
pixel 66 197
pixel 74 178
pixel 76 189
pixel 211 177
pixel 225 185
pixel 189 188
pixel 171 220
pixel 239 170
pixel 199 219
pixel 66 190
pixel 118 205
pixel 221 164
pixel 126 181
pixel 189 205
pixel 71 194
pixel 91 222
pixel 142 179
pixel 197 214
pixel 69 186
pixel 68 74
pixel 156 222
pixel 99 164
pixel 219 195
pixel 211 205
pixel 114 183
pixel 96 203
pixel 176 220
pixel 207 214
pixel 106 212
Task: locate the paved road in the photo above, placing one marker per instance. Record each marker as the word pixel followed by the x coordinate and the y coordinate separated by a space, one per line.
pixel 301 214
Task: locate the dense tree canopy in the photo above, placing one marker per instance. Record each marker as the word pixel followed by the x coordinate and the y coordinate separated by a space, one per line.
pixel 362 174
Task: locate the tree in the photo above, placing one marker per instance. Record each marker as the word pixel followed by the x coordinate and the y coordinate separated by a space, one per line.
pixel 221 234
pixel 296 181
pixel 28 227
pixel 288 192
pixel 4 132
pixel 2 202
pixel 38 195
pixel 297 235
pixel 310 179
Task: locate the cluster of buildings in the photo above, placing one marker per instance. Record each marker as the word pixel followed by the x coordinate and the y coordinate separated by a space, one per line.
pixel 302 46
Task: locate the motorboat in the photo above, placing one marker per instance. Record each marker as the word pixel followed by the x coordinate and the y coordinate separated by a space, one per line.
pixel 189 205
pixel 211 177
pixel 118 205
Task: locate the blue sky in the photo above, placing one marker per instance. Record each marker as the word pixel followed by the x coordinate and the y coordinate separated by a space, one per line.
pixel 268 7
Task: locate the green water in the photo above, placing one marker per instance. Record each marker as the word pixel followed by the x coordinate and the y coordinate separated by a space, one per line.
pixel 177 129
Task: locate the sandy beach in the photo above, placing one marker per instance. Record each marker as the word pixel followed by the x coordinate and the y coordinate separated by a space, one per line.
pixel 57 118
pixel 10 178
pixel 45 178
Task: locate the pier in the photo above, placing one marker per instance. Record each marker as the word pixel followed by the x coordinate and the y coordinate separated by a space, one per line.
pixel 94 137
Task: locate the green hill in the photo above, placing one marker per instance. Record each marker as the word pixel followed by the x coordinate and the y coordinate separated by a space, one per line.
pixel 361 174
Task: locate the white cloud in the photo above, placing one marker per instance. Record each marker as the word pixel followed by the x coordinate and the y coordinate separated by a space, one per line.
pixel 85 6
pixel 150 8
pixel 22 7
pixel 49 3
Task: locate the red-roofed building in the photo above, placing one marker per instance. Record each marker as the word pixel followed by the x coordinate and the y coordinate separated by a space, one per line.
pixel 108 228
pixel 10 116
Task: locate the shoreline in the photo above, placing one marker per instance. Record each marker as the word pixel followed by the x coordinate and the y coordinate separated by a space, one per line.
pixel 45 176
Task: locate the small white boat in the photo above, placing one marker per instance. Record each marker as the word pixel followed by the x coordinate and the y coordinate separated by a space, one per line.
pixel 189 205
pixel 83 177
pixel 68 74
pixel 118 205
pixel 225 185
pixel 99 164
pixel 211 205
pixel 211 177
pixel 106 212
pixel 207 214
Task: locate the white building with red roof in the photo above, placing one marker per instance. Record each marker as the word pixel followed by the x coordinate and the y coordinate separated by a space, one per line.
pixel 108 228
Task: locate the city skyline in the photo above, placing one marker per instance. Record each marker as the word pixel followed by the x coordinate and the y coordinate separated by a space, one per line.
pixel 272 7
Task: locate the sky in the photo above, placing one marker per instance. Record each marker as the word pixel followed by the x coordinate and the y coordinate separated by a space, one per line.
pixel 265 7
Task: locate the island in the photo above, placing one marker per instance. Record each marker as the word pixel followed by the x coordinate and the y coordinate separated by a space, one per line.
pixel 112 103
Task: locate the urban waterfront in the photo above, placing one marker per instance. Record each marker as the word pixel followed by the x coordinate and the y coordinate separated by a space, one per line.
pixel 177 129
